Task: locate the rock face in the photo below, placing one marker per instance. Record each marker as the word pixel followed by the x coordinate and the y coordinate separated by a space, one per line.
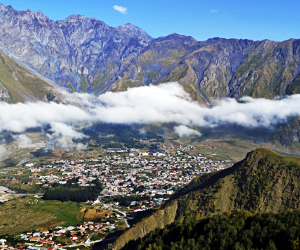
pixel 78 53
pixel 86 55
pixel 219 67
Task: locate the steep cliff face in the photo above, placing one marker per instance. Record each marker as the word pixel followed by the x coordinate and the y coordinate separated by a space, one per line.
pixel 78 53
pixel 263 182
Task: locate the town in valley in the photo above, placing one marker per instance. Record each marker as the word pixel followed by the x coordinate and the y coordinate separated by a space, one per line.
pixel 132 181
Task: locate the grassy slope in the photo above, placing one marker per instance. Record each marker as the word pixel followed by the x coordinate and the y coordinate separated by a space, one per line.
pixel 20 83
pixel 263 181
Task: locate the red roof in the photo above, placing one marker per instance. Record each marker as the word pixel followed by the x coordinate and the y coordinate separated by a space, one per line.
pixel 34 239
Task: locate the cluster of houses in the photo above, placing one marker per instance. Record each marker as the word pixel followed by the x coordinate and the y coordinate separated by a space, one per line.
pixel 147 204
pixel 124 175
pixel 49 238
pixel 134 206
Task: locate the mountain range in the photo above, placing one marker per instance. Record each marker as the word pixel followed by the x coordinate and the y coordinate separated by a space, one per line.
pixel 86 55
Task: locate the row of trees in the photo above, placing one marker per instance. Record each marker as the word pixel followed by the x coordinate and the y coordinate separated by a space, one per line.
pixel 70 193
pixel 240 230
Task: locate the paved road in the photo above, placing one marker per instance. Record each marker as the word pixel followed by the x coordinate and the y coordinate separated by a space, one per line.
pixel 124 214
pixel 127 224
pixel 90 242
pixel 121 212
pixel 19 195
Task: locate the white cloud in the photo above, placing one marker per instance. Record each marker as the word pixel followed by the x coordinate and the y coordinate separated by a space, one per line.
pixel 21 116
pixel 142 131
pixel 120 9
pixel 185 131
pixel 156 103
pixel 214 11
pixel 81 146
pixel 170 103
pixel 22 140
pixel 63 130
pixel 64 135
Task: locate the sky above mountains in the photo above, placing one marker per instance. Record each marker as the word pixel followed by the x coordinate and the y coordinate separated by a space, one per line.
pixel 251 19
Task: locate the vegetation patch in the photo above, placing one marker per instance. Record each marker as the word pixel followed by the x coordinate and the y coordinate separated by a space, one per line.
pixel 240 230
pixel 78 194
pixel 31 213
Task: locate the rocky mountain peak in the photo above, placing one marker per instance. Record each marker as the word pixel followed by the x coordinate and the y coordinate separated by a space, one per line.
pixel 74 17
pixel 176 36
pixel 74 22
pixel 174 40
pixel 78 18
pixel 8 12
pixel 134 30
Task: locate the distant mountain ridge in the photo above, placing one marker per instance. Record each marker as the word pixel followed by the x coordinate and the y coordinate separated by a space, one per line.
pixel 218 67
pixel 86 55
pixel 263 182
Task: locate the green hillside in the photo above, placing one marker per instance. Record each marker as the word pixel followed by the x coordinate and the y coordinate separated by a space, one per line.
pixel 263 182
pixel 17 84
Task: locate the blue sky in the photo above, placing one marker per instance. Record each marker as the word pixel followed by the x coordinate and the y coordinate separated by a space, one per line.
pixel 201 19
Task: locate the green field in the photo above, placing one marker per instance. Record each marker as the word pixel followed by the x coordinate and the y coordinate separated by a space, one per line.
pixel 24 214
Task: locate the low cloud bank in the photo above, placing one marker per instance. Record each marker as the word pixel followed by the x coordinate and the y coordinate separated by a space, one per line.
pixel 162 103
pixel 170 103
pixel 185 131
pixel 22 139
